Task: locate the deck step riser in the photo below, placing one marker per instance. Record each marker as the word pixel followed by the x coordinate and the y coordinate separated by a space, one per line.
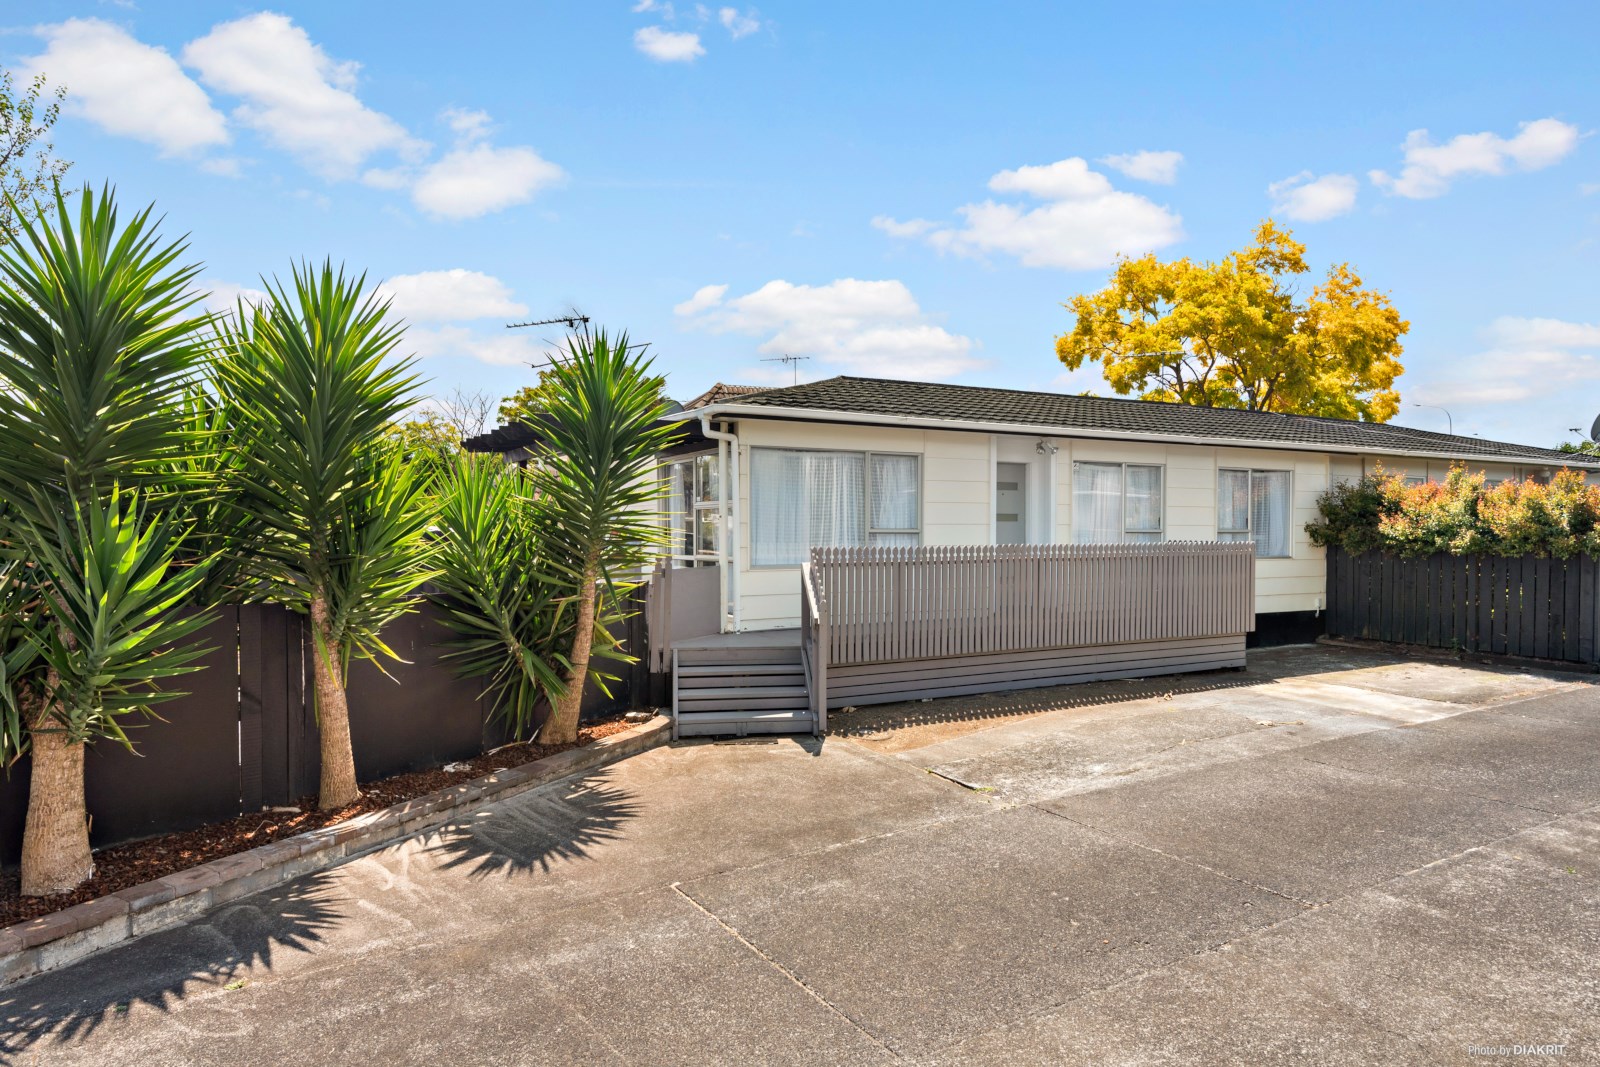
pixel 692 657
pixel 735 681
pixel 690 707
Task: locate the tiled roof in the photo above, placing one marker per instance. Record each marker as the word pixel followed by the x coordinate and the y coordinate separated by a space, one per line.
pixel 721 392
pixel 967 404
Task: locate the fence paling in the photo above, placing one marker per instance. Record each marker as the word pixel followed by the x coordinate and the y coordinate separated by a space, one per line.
pixel 1533 607
pixel 887 604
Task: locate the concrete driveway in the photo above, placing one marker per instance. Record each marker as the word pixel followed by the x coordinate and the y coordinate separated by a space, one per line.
pixel 1330 857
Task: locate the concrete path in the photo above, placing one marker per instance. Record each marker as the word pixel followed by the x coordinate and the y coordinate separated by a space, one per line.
pixel 1331 857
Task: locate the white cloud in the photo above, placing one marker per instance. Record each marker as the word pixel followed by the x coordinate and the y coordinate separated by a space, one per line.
pixel 223 297
pixel 1313 199
pixel 908 228
pixel 1068 179
pixel 704 298
pixel 1430 168
pixel 477 179
pixel 859 327
pixel 1158 167
pixel 127 88
pixel 668 46
pixel 451 296
pixel 1085 224
pixel 736 24
pixel 295 95
pixel 1511 332
pixel 468 124
pixel 1536 378
pixel 504 348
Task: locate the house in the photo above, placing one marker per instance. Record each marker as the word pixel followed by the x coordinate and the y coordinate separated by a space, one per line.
pixel 960 527
pixel 864 461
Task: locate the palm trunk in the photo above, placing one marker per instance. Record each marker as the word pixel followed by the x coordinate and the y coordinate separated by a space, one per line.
pixel 562 726
pixel 338 786
pixel 55 838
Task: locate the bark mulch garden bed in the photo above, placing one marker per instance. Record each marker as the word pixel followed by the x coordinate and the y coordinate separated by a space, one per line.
pixel 122 866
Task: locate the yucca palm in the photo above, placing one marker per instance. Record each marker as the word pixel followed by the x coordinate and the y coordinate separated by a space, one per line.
pixel 508 600
pixel 311 380
pixel 596 478
pixel 98 344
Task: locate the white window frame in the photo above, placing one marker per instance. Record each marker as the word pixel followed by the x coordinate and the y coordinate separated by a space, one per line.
pixel 1122 486
pixel 1249 511
pixel 866 495
pixel 704 509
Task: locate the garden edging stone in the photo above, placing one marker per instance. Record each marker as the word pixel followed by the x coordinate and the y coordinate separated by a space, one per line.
pixel 72 934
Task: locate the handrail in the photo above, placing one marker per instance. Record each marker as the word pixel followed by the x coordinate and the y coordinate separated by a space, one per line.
pixel 814 646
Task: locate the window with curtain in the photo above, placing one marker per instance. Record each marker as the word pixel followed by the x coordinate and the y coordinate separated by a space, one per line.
pixel 1116 503
pixel 1255 506
pixel 800 500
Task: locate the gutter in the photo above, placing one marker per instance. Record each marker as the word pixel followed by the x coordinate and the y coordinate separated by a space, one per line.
pixel 728 510
pixel 1039 430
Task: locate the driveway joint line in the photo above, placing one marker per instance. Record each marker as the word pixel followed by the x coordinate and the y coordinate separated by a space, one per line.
pixel 734 933
pixel 1120 839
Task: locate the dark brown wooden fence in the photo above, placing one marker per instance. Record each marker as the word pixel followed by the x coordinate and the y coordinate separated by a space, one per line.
pixel 1520 606
pixel 245 735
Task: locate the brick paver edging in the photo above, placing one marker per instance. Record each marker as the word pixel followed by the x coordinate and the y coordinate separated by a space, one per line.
pixel 67 936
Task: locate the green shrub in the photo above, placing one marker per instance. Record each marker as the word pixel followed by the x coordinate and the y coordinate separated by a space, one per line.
pixel 1460 515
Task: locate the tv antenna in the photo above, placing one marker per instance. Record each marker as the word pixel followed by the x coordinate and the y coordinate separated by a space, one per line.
pixel 571 322
pixel 792 361
pixel 1592 447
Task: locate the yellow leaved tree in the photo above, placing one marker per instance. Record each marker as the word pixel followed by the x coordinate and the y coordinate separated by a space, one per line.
pixel 1238 334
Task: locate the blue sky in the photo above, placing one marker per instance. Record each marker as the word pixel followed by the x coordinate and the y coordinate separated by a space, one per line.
pixel 901 189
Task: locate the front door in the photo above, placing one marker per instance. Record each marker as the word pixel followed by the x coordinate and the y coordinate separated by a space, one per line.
pixel 1010 504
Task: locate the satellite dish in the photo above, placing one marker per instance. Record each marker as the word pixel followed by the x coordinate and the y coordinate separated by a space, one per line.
pixel 1594 431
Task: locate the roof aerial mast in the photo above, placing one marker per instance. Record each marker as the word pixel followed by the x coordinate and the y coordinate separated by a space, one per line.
pixel 792 361
pixel 571 322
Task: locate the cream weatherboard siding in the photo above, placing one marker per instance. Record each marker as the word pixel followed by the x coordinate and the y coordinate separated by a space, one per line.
pixel 1350 468
pixel 958 475
pixel 958 485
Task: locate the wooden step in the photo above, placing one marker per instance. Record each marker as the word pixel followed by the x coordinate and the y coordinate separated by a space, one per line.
pixel 741 723
pixel 700 670
pixel 743 702
pixel 764 686
pixel 752 716
pixel 734 692
pixel 691 657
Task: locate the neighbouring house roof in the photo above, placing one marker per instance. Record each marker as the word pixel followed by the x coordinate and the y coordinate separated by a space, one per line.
pixel 852 399
pixel 721 392
pixel 519 439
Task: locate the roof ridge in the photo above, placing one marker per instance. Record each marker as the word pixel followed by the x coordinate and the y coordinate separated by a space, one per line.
pixel 1382 427
pixel 954 403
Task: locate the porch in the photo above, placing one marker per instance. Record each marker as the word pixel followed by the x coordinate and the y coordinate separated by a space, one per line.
pixel 880 625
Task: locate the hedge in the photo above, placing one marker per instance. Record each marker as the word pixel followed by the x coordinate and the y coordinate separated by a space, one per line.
pixel 1460 515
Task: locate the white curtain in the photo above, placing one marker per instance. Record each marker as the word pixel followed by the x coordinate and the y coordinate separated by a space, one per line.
pixel 1096 503
pixel 804 500
pixel 894 494
pixel 1233 505
pixel 1141 503
pixel 1269 512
